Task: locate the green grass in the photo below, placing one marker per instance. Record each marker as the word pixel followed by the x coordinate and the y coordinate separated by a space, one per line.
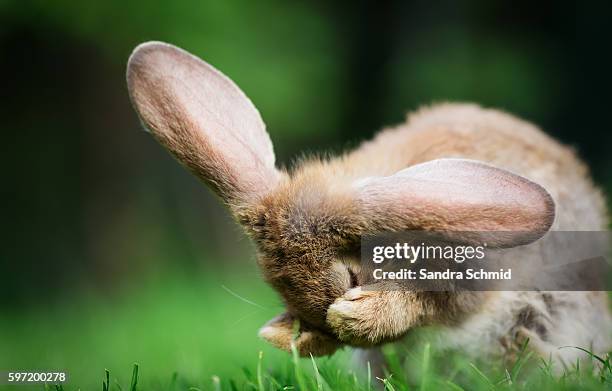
pixel 299 374
pixel 187 333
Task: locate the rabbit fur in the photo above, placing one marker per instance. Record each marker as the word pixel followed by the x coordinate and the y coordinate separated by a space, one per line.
pixel 448 167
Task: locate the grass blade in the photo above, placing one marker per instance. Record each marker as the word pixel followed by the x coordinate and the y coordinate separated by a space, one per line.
pixel 454 386
pixel 106 381
pixel 299 377
pixel 605 363
pixel 482 376
pixel 317 375
pixel 520 362
pixel 134 382
pixel 387 383
pixel 260 385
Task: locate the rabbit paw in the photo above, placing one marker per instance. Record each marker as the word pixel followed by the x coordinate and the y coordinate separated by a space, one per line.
pixel 280 333
pixel 365 317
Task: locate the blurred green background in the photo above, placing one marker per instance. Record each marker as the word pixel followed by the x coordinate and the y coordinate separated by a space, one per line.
pixel 113 253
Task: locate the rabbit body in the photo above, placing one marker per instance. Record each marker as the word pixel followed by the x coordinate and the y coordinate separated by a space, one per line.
pixel 549 319
pixel 450 167
pixel 497 322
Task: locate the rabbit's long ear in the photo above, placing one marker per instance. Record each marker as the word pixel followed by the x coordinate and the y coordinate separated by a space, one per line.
pixel 204 119
pixel 457 195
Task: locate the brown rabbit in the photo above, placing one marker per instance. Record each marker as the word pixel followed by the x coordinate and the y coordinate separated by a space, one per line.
pixel 450 167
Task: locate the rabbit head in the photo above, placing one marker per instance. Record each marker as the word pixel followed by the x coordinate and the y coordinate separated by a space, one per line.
pixel 307 224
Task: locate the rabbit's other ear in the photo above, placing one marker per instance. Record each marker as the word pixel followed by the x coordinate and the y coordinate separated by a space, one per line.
pixel 458 195
pixel 281 333
pixel 204 119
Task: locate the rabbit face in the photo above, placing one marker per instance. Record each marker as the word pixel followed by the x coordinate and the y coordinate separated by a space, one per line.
pixel 306 246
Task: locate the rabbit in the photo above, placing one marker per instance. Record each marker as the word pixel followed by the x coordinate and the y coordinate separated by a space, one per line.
pixel 450 167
